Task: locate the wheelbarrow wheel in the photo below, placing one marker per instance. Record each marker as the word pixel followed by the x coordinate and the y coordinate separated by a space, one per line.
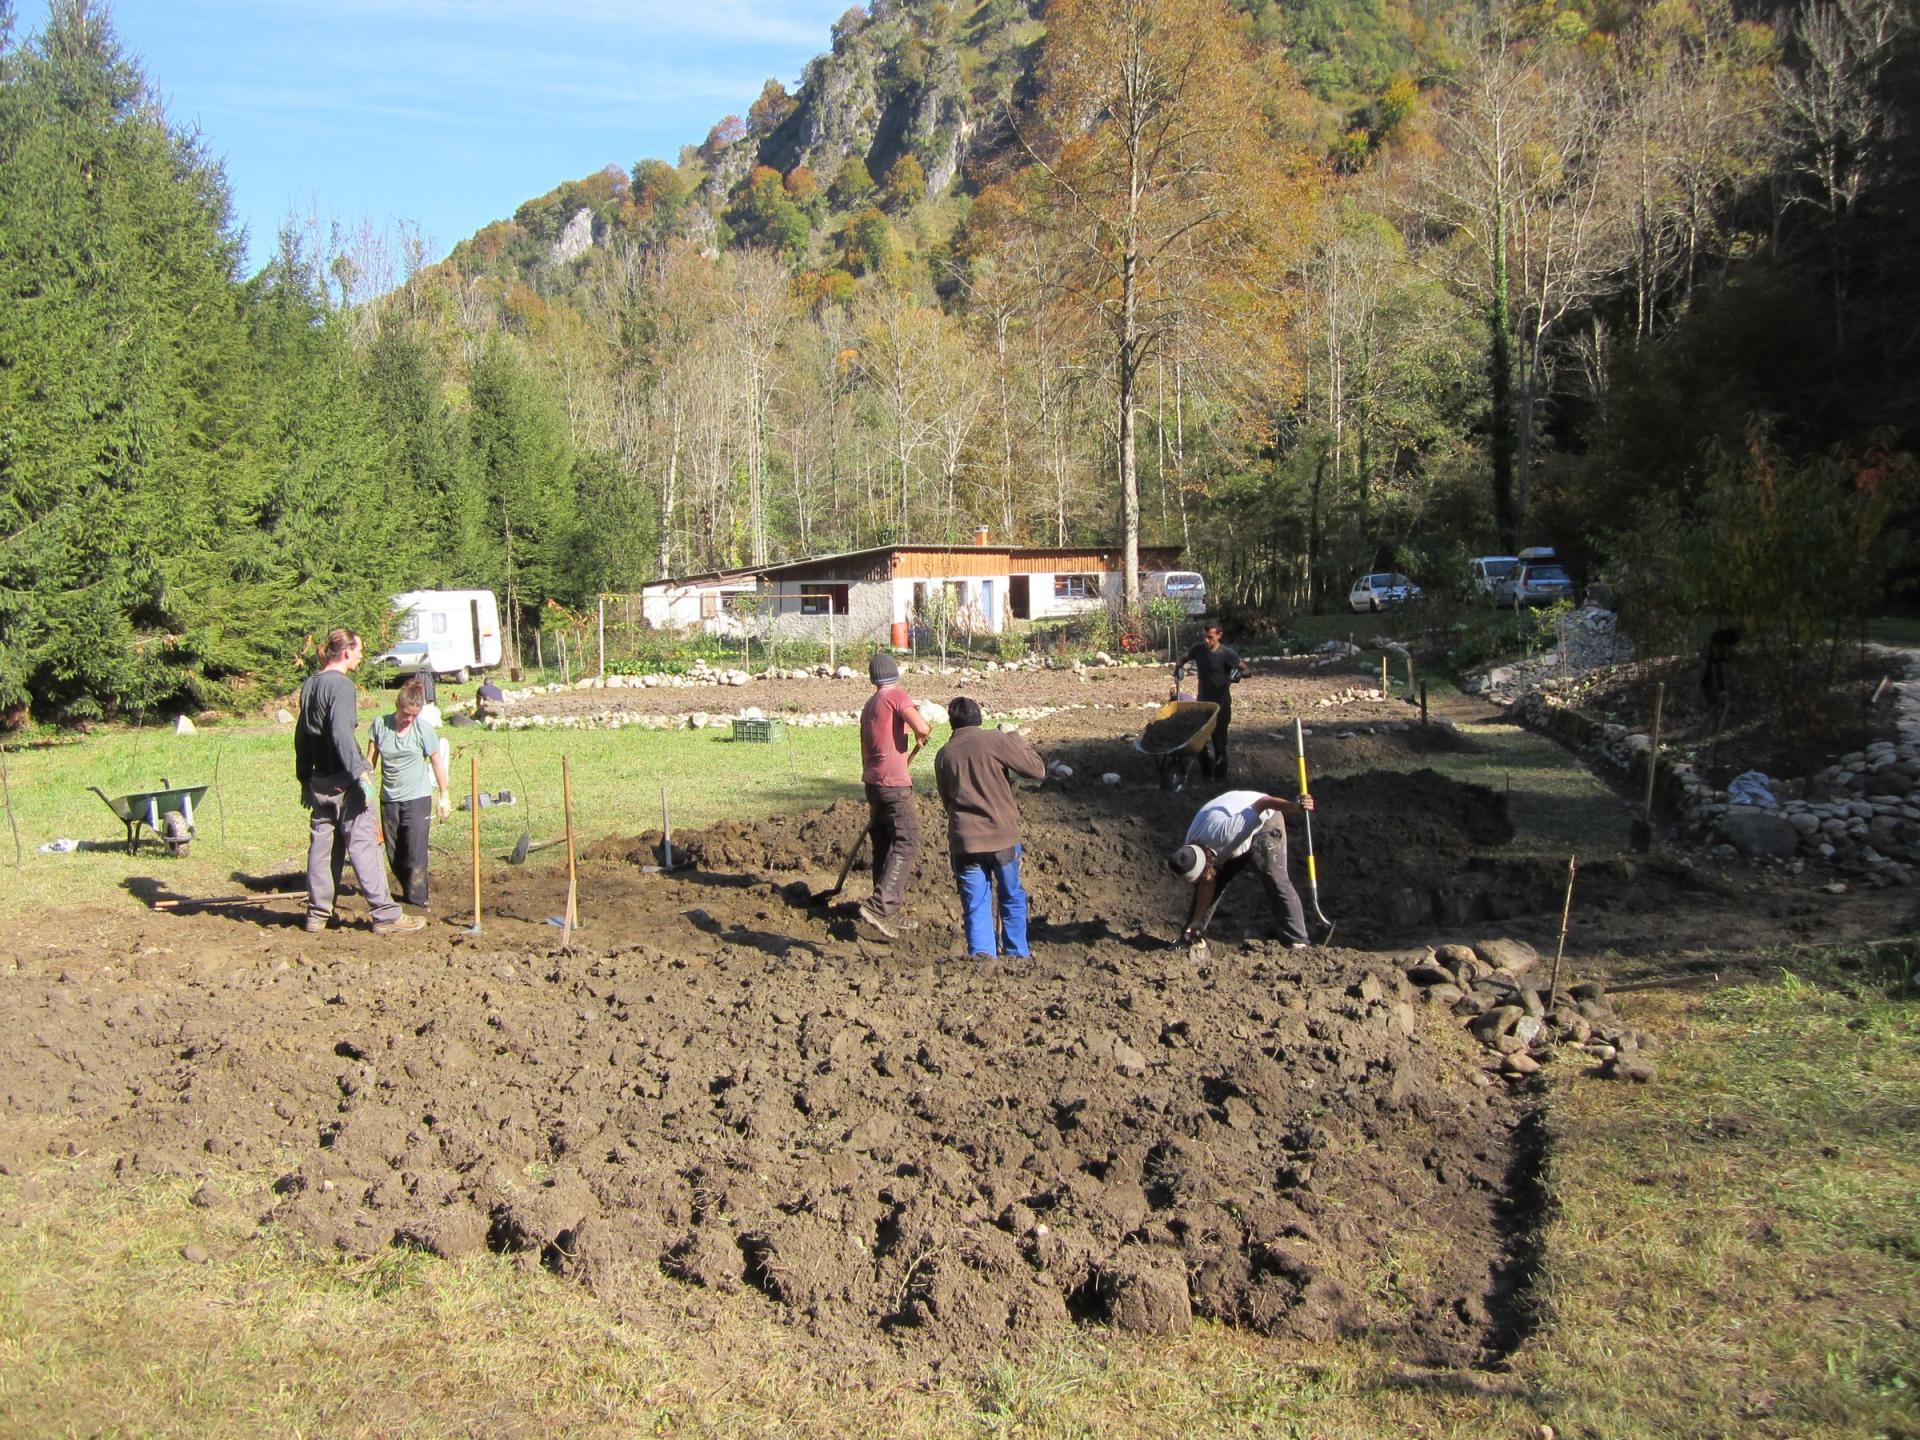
pixel 175 834
pixel 1173 771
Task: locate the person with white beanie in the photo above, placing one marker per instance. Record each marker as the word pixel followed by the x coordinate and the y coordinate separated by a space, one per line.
pixel 1233 831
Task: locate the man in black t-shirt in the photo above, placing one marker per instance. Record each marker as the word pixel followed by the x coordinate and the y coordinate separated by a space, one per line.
pixel 1215 668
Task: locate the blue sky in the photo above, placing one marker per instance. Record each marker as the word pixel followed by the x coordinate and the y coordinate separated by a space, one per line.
pixel 449 113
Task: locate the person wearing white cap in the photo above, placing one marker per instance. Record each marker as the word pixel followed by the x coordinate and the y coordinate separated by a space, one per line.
pixel 1231 832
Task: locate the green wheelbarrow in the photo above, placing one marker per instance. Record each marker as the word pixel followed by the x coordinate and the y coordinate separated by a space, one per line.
pixel 167 812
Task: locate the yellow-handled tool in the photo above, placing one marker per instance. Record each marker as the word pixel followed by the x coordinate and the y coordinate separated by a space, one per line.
pixel 1306 820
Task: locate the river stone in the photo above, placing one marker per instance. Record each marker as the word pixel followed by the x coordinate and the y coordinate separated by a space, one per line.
pixel 1630 1068
pixel 1453 956
pixel 1496 1022
pixel 1515 957
pixel 1759 835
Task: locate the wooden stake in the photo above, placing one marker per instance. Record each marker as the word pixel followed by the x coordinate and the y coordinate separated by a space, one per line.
pixel 1409 675
pixel 1879 690
pixel 1653 751
pixel 603 637
pixel 252 897
pixel 666 833
pixel 572 920
pixel 1423 702
pixel 473 810
pixel 6 793
pixel 1384 691
pixel 1566 910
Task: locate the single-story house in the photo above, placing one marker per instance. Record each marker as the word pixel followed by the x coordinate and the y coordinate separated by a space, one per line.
pixel 881 592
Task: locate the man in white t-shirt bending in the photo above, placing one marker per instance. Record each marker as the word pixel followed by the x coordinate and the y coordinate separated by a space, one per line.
pixel 1231 832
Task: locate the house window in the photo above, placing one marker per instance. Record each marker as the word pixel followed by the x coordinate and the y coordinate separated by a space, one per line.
pixel 824 600
pixel 1076 587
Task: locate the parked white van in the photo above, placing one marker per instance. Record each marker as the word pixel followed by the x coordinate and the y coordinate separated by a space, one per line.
pixel 1189 587
pixel 1484 572
pixel 453 632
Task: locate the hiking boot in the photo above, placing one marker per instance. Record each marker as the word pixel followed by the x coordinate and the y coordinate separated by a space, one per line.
pixel 871 925
pixel 400 926
pixel 318 924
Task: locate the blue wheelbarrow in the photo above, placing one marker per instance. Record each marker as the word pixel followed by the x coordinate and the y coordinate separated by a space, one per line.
pixel 167 812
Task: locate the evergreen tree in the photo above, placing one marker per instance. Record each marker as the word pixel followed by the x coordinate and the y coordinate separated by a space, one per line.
pixel 120 353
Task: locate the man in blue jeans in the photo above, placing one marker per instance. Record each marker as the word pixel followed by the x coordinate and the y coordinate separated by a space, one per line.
pixel 336 786
pixel 983 826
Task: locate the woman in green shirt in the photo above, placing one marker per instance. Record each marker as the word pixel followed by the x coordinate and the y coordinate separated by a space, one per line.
pixel 407 750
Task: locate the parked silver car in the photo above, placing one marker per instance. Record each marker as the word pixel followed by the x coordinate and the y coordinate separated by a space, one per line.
pixel 1534 583
pixel 1377 592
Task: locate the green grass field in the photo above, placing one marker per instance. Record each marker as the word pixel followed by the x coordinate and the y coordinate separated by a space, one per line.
pixel 251 823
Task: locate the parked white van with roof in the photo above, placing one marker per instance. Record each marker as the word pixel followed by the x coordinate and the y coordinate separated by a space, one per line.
pixel 1189 587
pixel 1484 572
pixel 453 632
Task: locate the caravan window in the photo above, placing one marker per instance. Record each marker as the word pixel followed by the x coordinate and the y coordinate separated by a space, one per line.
pixel 408 628
pixel 439 622
pixel 1076 587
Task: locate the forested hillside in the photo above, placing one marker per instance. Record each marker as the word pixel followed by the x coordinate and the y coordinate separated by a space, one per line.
pixel 1304 285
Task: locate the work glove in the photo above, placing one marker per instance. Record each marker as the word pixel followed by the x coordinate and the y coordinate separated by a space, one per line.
pixel 366 786
pixel 306 798
pixel 444 807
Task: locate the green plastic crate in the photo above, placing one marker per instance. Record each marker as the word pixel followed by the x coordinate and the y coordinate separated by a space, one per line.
pixel 758 731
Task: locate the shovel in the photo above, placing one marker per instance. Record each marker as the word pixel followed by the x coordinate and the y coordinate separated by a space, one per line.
pixel 524 846
pixel 1306 820
pixel 859 844
pixel 1643 823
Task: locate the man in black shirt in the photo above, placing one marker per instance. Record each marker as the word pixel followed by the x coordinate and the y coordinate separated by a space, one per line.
pixel 1215 667
pixel 336 786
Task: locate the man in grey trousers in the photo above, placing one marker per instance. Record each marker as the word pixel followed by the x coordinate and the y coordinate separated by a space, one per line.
pixel 336 786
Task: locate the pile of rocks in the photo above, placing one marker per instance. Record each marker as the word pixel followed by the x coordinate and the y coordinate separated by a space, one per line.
pixel 1350 696
pixel 1861 813
pixel 1588 640
pixel 613 719
pixel 1492 989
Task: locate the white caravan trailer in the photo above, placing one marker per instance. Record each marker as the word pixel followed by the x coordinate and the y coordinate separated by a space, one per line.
pixel 454 632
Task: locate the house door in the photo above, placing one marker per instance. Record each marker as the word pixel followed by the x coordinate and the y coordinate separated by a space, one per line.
pixel 1017 596
pixel 987 610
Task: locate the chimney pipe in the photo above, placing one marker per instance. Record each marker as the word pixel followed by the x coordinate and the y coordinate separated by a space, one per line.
pixel 980 535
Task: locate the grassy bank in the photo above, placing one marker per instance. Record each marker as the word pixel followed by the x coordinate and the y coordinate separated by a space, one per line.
pixel 251 823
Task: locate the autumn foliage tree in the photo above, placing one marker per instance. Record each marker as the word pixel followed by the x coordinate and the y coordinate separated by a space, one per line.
pixel 1176 176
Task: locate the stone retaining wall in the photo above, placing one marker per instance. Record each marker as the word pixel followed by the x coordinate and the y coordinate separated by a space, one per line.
pixel 1862 813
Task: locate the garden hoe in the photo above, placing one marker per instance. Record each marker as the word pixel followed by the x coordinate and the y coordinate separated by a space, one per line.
pixel 859 844
pixel 1306 819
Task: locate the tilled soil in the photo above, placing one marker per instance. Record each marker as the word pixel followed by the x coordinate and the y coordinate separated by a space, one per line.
pixel 904 1152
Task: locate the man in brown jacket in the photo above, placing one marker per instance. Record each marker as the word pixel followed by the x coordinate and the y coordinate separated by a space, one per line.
pixel 983 826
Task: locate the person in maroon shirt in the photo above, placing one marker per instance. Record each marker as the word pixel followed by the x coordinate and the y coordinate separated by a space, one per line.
pixel 884 725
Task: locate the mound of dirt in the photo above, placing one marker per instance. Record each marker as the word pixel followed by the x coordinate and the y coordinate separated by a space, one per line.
pixel 951 1154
